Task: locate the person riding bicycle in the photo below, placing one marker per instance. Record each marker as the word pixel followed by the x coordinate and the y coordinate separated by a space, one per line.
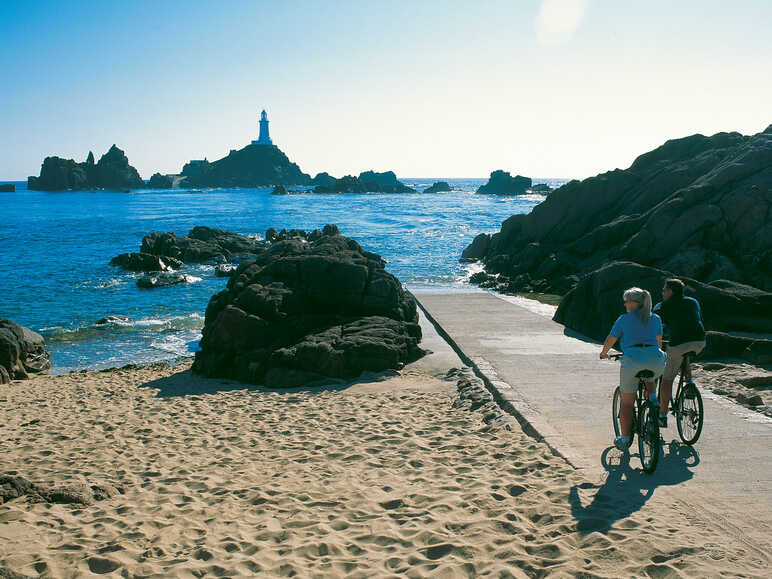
pixel 640 335
pixel 686 333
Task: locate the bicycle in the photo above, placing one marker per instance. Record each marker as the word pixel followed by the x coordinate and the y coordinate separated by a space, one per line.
pixel 686 405
pixel 645 421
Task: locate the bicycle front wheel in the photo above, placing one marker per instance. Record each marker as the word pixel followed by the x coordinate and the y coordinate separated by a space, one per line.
pixel 648 437
pixel 689 414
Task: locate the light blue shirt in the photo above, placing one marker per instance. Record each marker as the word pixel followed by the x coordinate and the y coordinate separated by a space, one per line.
pixel 629 330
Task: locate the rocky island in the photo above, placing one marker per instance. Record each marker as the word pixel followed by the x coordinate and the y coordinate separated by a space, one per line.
pixel 111 172
pixel 438 187
pixel 699 208
pixel 502 183
pixel 367 182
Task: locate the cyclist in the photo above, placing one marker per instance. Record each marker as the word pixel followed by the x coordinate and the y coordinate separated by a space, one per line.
pixel 686 333
pixel 640 334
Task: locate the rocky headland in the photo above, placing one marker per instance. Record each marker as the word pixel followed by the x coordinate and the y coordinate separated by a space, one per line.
pixel 311 307
pixel 111 172
pixel 699 208
pixel 22 352
pixel 502 183
pixel 252 166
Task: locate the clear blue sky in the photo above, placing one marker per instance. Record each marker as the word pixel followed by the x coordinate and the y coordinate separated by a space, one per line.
pixel 553 88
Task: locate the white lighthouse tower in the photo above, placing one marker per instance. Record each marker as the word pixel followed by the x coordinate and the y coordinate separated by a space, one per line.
pixel 264 138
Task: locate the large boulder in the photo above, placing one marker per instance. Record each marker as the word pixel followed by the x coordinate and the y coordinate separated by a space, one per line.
pixel 592 306
pixel 158 181
pixel 145 262
pixel 310 307
pixel 367 182
pixel 502 183
pixel 700 207
pixel 22 352
pixel 438 187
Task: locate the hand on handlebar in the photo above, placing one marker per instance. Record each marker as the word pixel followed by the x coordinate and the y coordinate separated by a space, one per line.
pixel 604 356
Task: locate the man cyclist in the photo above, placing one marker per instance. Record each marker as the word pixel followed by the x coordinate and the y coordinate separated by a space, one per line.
pixel 683 325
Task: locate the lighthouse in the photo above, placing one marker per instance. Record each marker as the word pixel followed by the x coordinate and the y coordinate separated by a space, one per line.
pixel 264 138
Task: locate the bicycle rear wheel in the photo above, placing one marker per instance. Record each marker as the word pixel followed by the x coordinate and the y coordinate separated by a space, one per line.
pixel 689 414
pixel 616 404
pixel 648 437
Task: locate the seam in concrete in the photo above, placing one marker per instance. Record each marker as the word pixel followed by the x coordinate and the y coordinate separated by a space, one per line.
pixel 519 408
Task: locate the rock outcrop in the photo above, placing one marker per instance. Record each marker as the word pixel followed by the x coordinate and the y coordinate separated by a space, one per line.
pixel 111 172
pixel 158 181
pixel 311 307
pixel 541 188
pixel 367 182
pixel 22 352
pixel 252 166
pixel 502 183
pixel 324 179
pixel 164 279
pixel 7 187
pixel 700 207
pixel 145 262
pixel 202 244
pixel 439 186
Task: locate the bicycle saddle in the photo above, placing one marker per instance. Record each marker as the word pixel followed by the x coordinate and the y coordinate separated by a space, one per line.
pixel 645 374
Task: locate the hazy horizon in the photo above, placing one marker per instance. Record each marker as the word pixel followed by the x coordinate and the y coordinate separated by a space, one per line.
pixel 552 88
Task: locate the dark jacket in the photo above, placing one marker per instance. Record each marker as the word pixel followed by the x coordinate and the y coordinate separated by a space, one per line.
pixel 683 320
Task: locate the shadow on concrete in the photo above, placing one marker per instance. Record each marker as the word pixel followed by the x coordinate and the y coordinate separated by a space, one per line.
pixel 627 489
pixel 186 383
pixel 581 337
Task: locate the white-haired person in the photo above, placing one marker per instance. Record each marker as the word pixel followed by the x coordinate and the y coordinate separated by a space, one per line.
pixel 639 333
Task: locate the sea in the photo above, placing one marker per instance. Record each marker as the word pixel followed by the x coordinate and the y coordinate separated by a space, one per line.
pixel 55 249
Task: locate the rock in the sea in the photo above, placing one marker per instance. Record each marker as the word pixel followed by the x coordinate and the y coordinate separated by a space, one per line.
pixel 367 182
pixel 592 306
pixel 252 166
pixel 7 187
pixel 502 183
pixel 164 279
pixel 541 188
pixel 145 262
pixel 225 269
pixel 22 352
pixel 323 179
pixel 280 190
pixel 111 172
pixel 158 181
pixel 438 187
pixel 310 307
pixel 699 207
pixel 202 244
pixel 477 249
pixel 108 320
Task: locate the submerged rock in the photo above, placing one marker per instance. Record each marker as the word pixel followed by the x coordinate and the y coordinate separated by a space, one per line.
pixel 502 183
pixel 311 307
pixel 7 187
pixel 164 279
pixel 22 352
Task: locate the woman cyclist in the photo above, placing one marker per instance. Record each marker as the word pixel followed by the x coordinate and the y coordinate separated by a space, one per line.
pixel 640 335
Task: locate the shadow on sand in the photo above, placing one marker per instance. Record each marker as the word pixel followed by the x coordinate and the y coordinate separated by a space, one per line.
pixel 186 383
pixel 627 489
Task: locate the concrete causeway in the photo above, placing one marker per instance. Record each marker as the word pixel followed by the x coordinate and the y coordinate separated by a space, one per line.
pixel 551 379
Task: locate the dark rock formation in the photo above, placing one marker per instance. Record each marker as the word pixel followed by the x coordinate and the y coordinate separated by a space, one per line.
pixel 280 190
pixel 145 262
pixel 7 187
pixel 158 181
pixel 252 166
pixel 477 249
pixel 323 179
pixel 541 188
pixel 438 187
pixel 163 279
pixel 14 487
pixel 700 207
pixel 225 269
pixel 202 244
pixel 502 183
pixel 22 352
pixel 111 172
pixel 351 184
pixel 596 301
pixel 312 307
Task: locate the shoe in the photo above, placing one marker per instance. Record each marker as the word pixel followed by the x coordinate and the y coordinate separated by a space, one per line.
pixel 663 420
pixel 622 442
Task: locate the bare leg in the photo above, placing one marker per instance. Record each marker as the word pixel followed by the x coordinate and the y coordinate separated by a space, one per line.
pixel 687 370
pixel 650 389
pixel 665 391
pixel 626 413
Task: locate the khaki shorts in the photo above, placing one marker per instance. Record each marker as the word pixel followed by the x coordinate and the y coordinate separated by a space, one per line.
pixel 675 355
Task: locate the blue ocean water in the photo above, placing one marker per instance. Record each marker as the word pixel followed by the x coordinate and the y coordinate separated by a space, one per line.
pixel 55 249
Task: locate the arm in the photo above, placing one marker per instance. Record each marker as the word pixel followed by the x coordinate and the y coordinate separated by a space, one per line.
pixel 610 341
pixel 659 341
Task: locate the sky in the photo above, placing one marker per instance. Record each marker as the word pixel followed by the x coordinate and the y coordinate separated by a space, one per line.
pixel 543 88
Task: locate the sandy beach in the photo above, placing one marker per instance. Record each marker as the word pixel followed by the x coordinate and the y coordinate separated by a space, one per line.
pixel 397 476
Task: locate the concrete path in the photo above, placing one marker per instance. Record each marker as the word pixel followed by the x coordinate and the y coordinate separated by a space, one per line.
pixel 552 380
